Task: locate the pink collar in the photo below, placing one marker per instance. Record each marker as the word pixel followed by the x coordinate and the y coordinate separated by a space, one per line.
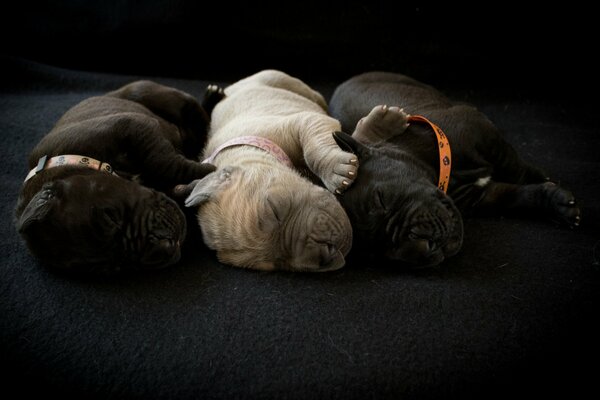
pixel 69 159
pixel 256 141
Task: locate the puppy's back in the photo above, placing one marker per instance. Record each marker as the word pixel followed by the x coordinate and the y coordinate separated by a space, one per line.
pixel 278 79
pixel 264 104
pixel 99 106
pixel 379 88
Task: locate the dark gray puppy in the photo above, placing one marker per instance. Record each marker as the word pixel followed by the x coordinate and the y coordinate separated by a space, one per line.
pixel 93 200
pixel 395 206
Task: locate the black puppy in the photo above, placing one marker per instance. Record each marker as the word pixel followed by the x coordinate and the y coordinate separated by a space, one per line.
pixel 92 202
pixel 396 205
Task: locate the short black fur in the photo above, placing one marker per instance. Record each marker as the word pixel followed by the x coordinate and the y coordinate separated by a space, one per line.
pixel 80 219
pixel 395 206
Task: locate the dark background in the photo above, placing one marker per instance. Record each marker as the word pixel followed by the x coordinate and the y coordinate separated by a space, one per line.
pixel 548 49
pixel 513 315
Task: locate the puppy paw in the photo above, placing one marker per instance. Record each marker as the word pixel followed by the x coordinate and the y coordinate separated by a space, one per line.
pixel 215 90
pixel 343 173
pixel 562 204
pixel 212 95
pixel 381 124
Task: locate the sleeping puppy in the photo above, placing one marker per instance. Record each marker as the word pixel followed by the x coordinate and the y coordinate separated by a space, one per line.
pixel 79 208
pixel 396 207
pixel 258 210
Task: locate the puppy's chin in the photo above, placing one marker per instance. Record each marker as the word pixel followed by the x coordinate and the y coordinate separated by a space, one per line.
pixel 417 254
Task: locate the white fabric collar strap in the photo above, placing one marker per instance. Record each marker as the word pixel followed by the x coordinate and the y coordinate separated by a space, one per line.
pixel 256 141
pixel 69 159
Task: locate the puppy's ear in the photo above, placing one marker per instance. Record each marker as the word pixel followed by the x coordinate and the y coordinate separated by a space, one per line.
pixel 203 190
pixel 39 207
pixel 348 143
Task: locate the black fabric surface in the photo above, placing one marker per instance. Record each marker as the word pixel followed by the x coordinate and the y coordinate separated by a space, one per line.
pixel 513 314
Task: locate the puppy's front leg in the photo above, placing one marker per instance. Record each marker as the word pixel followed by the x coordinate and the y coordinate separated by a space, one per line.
pixel 335 167
pixel 163 166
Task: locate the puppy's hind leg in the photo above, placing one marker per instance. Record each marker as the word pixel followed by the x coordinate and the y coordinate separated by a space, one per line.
pixel 538 199
pixel 508 166
pixel 173 105
pixel 278 79
pixel 212 96
pixel 163 166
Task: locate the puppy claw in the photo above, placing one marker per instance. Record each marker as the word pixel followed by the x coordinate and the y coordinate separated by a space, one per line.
pixel 341 173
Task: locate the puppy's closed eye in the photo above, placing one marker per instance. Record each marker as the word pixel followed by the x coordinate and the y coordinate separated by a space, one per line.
pixel 273 208
pixel 379 200
pixel 274 215
pixel 280 206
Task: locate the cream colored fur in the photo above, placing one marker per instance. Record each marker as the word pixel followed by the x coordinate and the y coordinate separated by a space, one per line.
pixel 258 213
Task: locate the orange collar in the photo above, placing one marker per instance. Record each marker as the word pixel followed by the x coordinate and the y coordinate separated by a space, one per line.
pixel 444 151
pixel 69 159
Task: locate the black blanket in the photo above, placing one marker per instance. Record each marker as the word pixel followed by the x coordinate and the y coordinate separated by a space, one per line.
pixel 514 312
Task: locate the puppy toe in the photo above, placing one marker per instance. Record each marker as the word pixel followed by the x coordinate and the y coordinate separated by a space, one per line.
pixel 214 91
pixel 564 205
pixel 347 170
pixel 398 117
pixel 342 173
pixel 399 112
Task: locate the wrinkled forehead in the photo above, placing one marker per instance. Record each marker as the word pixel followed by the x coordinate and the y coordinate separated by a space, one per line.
pixel 83 195
pixel 102 186
pixel 86 185
pixel 247 188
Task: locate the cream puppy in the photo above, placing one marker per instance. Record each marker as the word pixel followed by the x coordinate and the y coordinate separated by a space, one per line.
pixel 270 139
